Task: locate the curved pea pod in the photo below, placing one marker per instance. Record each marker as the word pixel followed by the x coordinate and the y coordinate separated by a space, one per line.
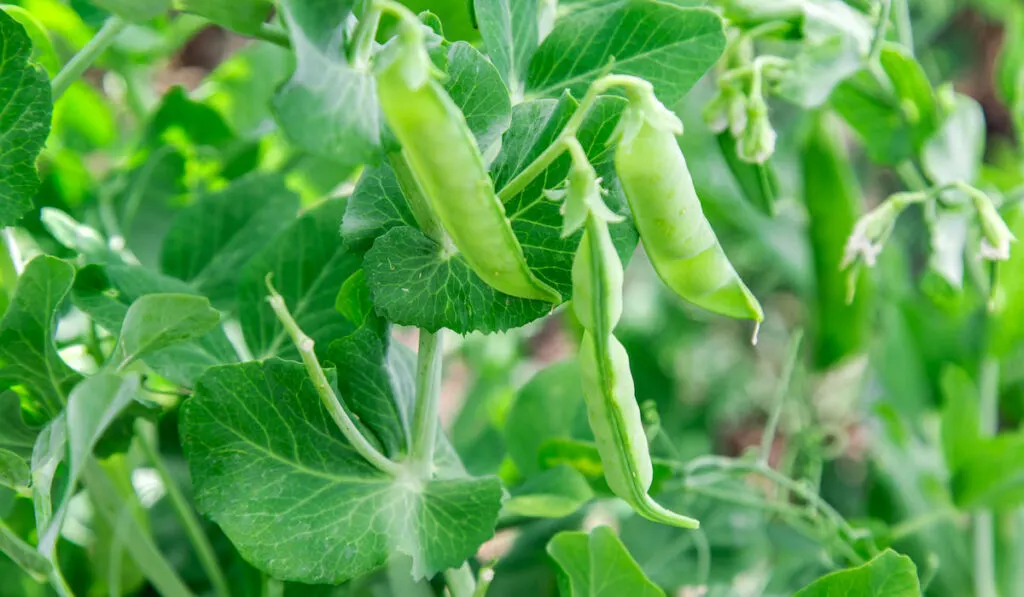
pixel 618 428
pixel 678 239
pixel 446 161
pixel 1007 303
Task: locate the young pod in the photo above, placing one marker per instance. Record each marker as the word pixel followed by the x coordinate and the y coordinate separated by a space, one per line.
pixel 678 239
pixel 618 427
pixel 446 161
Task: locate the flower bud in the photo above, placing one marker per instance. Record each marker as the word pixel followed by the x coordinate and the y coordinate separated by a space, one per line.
pixel 757 143
pixel 995 234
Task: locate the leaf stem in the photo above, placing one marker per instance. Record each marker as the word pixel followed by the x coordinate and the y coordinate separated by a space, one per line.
pixel 327 396
pixel 426 219
pixel 23 554
pixel 460 581
pixel 8 262
pixel 568 134
pixel 770 429
pixel 428 394
pixel 725 464
pixel 985 584
pixel 362 40
pixel 82 60
pixel 880 29
pixel 272 34
pixel 533 170
pixel 193 528
pixel 904 29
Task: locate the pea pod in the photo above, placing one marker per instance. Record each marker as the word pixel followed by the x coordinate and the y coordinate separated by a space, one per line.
pixel 834 203
pixel 446 161
pixel 612 408
pixel 1007 305
pixel 678 239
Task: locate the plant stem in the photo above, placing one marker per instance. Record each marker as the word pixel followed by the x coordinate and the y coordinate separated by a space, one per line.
pixel 8 262
pixel 533 170
pixel 193 528
pixel 275 35
pixel 911 176
pixel 110 504
pixel 460 581
pixel 722 463
pixel 880 29
pixel 428 394
pixel 548 156
pixel 272 587
pixel 426 219
pixel 327 396
pixel 984 527
pixel 366 33
pixel 81 61
pixel 23 554
pixel 792 355
pixel 904 29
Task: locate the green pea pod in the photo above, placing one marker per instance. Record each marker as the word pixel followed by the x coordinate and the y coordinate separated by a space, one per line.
pixel 834 203
pixel 618 428
pixel 597 280
pixel 679 240
pixel 446 161
pixel 758 182
pixel 1007 305
pixel 607 382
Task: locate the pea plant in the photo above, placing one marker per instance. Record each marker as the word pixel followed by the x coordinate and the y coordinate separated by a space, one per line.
pixel 504 297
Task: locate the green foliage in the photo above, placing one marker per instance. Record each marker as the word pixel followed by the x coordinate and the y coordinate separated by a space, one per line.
pixel 24 127
pixel 213 253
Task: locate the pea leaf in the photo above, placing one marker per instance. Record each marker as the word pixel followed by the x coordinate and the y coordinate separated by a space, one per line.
pixel 956 150
pixel 414 283
pixel 243 16
pixel 374 377
pixel 16 436
pixel 210 241
pixel 550 405
pixel 23 554
pixel 992 475
pixel 960 417
pixel 135 10
pixel 14 471
pixel 28 356
pixel 886 575
pixel 877 120
pixel 106 293
pixel 25 95
pixel 309 264
pixel 669 46
pixel 241 98
pixel 913 89
pixel 837 39
pixel 1008 294
pixel 598 565
pixel 329 107
pixel 509 30
pixel 376 206
pixel 475 86
pixel 92 407
pixel 260 442
pixel 555 493
pixel 157 321
pixel 954 153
